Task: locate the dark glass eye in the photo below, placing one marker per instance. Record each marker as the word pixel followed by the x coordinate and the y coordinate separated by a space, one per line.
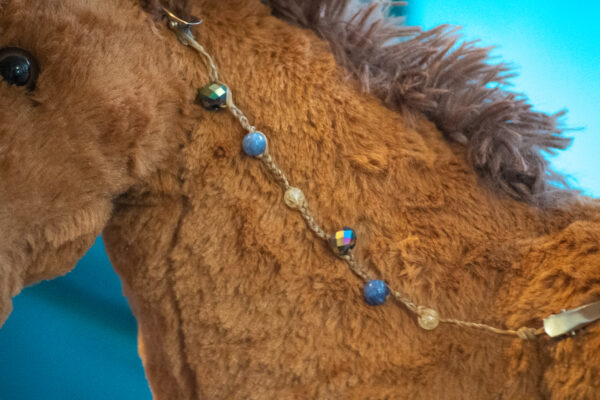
pixel 18 67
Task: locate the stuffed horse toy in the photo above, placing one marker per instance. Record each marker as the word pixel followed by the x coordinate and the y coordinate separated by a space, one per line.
pixel 302 199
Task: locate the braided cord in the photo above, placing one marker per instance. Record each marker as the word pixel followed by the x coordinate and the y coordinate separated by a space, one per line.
pixel 526 333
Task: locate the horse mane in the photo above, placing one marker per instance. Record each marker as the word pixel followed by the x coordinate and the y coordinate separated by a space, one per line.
pixel 452 82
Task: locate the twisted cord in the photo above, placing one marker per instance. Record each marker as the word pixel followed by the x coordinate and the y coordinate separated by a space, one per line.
pixel 312 224
pixel 282 179
pixel 275 170
pixel 408 303
pixel 355 267
pixel 525 333
pixel 187 38
pixel 237 112
pixel 213 72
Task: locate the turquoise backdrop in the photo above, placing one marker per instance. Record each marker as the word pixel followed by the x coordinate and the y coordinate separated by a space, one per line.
pixel 75 338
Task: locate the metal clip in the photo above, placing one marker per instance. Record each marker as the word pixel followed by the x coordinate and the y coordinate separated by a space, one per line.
pixel 567 322
pixel 182 28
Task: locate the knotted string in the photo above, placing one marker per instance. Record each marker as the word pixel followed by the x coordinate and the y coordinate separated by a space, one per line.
pixel 186 37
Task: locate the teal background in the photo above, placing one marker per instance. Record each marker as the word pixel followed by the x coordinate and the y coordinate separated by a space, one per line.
pixel 75 338
pixel 556 48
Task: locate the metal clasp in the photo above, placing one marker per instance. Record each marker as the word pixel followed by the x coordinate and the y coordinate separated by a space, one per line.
pixel 569 321
pixel 181 27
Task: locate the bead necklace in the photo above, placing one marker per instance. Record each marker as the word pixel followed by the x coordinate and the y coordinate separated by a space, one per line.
pixel 217 95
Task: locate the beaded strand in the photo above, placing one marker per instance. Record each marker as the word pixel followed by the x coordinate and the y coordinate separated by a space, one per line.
pixel 217 95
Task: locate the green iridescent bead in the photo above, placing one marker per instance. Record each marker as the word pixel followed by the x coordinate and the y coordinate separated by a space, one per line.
pixel 213 96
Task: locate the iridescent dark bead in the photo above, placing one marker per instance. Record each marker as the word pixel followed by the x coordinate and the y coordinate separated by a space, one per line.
pixel 213 96
pixel 343 241
pixel 376 292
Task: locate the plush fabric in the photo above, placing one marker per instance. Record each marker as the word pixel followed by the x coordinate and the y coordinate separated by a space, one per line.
pixel 459 87
pixel 235 298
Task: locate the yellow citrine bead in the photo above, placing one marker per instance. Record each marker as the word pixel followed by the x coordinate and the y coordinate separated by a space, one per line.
pixel 294 198
pixel 428 318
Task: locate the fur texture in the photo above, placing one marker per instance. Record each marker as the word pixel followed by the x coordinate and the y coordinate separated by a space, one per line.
pixel 233 296
pixel 455 85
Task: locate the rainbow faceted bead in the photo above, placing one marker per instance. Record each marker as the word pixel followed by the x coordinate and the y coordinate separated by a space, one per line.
pixel 343 241
pixel 212 96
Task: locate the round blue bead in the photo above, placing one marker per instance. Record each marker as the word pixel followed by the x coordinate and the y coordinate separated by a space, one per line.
pixel 375 292
pixel 255 144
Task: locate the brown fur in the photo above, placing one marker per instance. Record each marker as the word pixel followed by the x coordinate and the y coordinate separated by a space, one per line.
pixel 456 86
pixel 234 298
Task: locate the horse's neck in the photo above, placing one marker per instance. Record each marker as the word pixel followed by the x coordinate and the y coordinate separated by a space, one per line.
pixel 211 257
pixel 406 191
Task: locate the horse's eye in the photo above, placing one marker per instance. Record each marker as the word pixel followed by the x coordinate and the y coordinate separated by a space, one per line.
pixel 18 67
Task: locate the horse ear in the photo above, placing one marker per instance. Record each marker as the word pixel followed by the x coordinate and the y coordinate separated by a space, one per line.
pixel 178 7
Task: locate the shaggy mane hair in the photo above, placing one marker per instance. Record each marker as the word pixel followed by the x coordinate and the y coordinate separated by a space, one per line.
pixel 454 84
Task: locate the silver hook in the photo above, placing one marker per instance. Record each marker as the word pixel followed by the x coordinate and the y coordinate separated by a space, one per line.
pixel 569 321
pixel 180 26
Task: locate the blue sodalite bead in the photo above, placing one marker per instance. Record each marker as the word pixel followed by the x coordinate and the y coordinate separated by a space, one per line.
pixel 255 144
pixel 375 292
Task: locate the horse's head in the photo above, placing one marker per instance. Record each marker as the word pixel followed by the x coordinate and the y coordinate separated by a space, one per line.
pixel 85 98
